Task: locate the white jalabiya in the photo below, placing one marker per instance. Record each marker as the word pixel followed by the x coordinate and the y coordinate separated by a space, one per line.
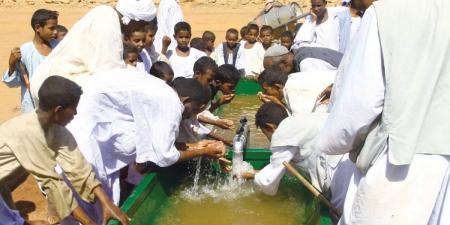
pixel 218 56
pixel 293 141
pixel 184 66
pixel 312 64
pixel 387 194
pixel 93 44
pixel 302 89
pixel 324 35
pixel 126 116
pixel 169 14
pixel 136 10
pixel 251 59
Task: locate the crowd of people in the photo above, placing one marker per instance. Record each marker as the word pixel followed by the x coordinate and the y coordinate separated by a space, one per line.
pixel 127 90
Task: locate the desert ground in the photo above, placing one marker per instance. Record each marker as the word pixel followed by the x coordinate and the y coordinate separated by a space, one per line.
pixel 15 30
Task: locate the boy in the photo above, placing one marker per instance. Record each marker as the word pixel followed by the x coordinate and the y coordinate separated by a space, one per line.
pixel 136 38
pixel 228 52
pixel 130 55
pixel 127 118
pixel 149 54
pixel 24 61
pixel 209 38
pixel 198 44
pixel 266 36
pixel 243 32
pixel 297 92
pixel 291 139
pixel 287 39
pixel 36 142
pixel 61 32
pixel 252 53
pixel 182 58
pixel 162 71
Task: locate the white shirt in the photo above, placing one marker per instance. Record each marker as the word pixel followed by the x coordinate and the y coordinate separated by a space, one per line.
pixel 93 44
pixel 302 88
pixel 126 116
pixel 324 35
pixel 169 14
pixel 251 59
pixel 184 66
pixel 359 96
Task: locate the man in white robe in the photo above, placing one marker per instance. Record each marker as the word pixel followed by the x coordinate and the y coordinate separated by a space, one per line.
pixel 94 43
pixel 397 133
pixel 127 117
pixel 169 14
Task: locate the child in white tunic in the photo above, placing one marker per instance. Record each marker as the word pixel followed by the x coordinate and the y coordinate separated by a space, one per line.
pixel 252 53
pixel 291 140
pixel 182 58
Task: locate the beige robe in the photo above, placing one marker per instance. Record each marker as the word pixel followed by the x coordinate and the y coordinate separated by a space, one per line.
pixel 25 145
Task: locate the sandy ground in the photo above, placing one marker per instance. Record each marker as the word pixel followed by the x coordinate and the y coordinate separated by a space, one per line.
pixel 16 30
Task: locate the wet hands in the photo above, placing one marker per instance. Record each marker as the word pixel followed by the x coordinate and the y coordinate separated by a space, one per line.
pixel 225 99
pixel 268 98
pixel 212 149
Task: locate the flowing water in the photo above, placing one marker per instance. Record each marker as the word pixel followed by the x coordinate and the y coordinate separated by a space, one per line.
pixel 214 199
pixel 244 106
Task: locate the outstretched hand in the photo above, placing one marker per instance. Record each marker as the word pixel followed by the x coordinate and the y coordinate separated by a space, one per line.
pixel 269 98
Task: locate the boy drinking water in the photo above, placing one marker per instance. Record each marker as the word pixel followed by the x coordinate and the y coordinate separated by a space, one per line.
pixel 23 61
pixel 182 58
pixel 36 142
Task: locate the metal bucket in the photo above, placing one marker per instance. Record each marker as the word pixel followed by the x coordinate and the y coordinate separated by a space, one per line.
pixel 279 16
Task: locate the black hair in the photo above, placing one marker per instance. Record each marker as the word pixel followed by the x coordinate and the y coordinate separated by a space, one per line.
pixel 61 28
pixel 41 16
pixel 198 44
pixel 160 68
pixel 128 32
pixel 270 112
pixel 208 36
pixel 265 28
pixel 58 91
pixel 190 87
pixel 129 48
pixel 232 31
pixel 182 26
pixel 205 63
pixel 151 27
pixel 243 31
pixel 287 34
pixel 272 76
pixel 253 26
pixel 227 73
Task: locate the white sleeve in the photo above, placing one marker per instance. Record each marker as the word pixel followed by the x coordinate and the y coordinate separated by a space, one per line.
pixel 305 34
pixel 268 179
pixel 157 125
pixel 361 99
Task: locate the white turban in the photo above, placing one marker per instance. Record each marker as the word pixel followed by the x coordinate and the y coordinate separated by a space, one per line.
pixel 136 10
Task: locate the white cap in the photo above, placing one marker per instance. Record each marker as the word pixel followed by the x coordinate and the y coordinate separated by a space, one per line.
pixel 136 10
pixel 276 50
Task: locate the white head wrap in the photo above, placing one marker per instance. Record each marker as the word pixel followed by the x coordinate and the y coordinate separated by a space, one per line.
pixel 136 10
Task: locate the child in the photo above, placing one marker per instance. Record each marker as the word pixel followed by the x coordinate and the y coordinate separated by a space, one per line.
pixel 149 54
pixel 228 52
pixel 287 39
pixel 130 55
pixel 292 139
pixel 198 44
pixel 266 36
pixel 137 39
pixel 243 32
pixel 209 38
pixel 61 32
pixel 31 54
pixel 38 141
pixel 272 81
pixel 182 58
pixel 163 71
pixel 252 53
